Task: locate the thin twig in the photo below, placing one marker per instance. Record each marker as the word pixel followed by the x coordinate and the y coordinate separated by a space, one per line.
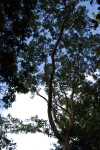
pixel 41 96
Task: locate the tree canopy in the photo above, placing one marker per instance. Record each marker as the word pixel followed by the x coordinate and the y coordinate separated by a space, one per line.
pixel 15 28
pixel 62 53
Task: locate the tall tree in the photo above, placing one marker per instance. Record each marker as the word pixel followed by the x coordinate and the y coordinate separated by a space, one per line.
pixel 66 50
pixel 62 53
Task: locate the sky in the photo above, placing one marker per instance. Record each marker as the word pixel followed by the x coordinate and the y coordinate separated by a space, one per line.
pixel 23 108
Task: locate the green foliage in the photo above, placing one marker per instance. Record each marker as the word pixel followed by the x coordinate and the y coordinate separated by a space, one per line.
pixel 4 141
pixel 87 123
pixel 32 125
pixel 15 28
pixel 86 133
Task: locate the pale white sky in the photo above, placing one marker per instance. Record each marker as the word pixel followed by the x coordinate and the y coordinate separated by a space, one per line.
pixel 24 108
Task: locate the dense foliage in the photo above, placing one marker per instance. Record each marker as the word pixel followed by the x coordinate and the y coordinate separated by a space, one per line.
pixel 16 20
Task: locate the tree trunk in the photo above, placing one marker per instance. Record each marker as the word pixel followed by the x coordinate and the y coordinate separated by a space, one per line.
pixel 66 145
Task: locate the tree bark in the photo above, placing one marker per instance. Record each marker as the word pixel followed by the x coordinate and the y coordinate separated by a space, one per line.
pixel 66 145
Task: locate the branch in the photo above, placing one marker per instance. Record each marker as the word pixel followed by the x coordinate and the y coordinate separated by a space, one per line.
pixel 65 4
pixel 57 121
pixel 41 96
pixel 66 110
pixel 72 106
pixel 66 98
pixel 45 72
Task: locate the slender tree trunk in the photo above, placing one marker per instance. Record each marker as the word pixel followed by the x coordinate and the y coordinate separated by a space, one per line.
pixel 66 145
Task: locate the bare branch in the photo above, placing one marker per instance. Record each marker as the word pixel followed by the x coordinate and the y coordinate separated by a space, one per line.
pixel 57 121
pixel 41 96
pixel 45 72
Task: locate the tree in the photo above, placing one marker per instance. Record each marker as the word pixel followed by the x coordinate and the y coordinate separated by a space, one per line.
pixel 86 128
pixel 60 57
pixel 67 62
pixel 15 28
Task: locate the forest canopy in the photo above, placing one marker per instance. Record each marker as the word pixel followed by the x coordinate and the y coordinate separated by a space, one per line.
pixel 51 44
